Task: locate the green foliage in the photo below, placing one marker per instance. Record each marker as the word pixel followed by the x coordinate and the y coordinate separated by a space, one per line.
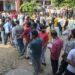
pixel 57 2
pixel 29 6
pixel 67 3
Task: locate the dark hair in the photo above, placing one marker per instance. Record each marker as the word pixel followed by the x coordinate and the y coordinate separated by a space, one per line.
pixel 42 27
pixel 66 24
pixel 34 25
pixel 53 33
pixel 32 20
pixel 35 33
pixel 73 33
pixel 13 23
pixel 69 37
pixel 37 21
pixel 28 24
pixel 17 22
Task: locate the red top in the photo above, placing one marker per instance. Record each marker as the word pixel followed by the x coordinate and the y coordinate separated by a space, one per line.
pixel 25 24
pixel 27 34
pixel 56 48
pixel 44 36
pixel 14 16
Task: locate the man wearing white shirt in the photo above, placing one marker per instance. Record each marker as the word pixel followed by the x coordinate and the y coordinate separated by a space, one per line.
pixel 71 63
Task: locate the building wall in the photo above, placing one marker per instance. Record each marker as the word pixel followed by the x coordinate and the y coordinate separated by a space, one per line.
pixel 8 6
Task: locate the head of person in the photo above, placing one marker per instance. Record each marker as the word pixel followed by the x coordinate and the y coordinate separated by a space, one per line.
pixel 43 29
pixel 73 33
pixel 37 21
pixel 28 24
pixel 13 24
pixel 53 34
pixel 17 22
pixel 34 25
pixel 27 17
pixel 34 34
pixel 32 21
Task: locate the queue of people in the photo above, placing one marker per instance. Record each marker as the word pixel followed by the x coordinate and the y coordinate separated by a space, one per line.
pixel 31 40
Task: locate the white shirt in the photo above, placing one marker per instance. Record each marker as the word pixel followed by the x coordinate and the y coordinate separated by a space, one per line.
pixel 62 20
pixel 71 24
pixel 0 21
pixel 71 56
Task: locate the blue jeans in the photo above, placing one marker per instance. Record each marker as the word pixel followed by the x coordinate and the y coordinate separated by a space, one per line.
pixel 21 46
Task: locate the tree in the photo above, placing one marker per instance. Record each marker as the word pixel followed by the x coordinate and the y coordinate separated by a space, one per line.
pixel 57 2
pixel 29 6
pixel 67 3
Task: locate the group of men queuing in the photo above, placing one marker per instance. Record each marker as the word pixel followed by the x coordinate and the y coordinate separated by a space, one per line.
pixel 31 40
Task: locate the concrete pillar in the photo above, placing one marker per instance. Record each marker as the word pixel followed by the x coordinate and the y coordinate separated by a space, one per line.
pixel 17 5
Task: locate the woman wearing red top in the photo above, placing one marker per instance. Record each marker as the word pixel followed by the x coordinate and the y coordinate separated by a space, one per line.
pixel 44 36
pixel 25 22
pixel 27 35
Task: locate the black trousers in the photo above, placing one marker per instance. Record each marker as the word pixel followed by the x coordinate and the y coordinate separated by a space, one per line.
pixel 54 64
pixel 6 37
pixel 69 73
pixel 62 67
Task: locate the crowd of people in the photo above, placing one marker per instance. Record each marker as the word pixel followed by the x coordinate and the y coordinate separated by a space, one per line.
pixel 30 38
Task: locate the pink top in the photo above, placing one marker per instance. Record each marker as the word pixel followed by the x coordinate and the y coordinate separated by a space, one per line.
pixel 56 48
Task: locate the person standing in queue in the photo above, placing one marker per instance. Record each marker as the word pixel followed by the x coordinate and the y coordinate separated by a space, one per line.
pixel 55 50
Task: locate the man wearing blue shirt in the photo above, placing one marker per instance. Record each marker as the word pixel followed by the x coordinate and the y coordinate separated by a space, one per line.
pixel 7 28
pixel 36 50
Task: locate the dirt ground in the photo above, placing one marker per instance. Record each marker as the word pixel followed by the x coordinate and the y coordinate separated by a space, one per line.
pixel 9 60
